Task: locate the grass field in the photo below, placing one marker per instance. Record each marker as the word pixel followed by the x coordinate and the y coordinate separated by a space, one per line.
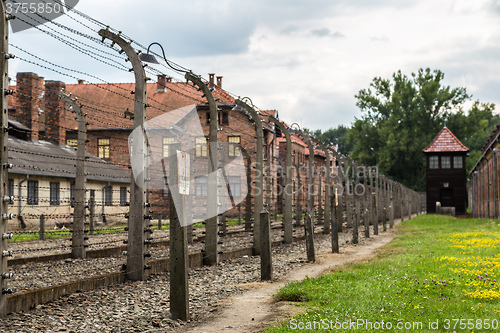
pixel 439 275
pixel 57 234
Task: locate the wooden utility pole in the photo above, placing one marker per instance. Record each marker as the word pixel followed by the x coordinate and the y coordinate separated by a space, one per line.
pixel 78 237
pixel 139 228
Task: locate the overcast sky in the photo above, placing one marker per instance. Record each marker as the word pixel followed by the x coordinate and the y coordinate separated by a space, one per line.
pixel 307 59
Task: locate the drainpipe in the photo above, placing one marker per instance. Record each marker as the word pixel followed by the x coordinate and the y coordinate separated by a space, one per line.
pixel 21 194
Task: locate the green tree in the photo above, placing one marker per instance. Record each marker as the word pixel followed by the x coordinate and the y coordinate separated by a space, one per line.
pixel 401 117
pixel 474 128
pixel 334 136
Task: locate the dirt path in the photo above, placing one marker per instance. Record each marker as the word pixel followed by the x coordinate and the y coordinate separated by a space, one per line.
pixel 255 309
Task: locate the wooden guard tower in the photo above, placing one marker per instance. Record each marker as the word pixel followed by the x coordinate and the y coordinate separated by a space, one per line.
pixel 446 175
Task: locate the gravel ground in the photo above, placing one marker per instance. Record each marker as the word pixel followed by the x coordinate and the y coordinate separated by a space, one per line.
pixel 40 275
pixel 142 306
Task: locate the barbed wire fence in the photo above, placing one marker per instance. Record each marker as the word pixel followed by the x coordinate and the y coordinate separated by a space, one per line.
pixel 287 175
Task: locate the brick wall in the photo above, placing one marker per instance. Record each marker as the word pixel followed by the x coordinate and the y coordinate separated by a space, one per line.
pixel 29 88
pixel 55 113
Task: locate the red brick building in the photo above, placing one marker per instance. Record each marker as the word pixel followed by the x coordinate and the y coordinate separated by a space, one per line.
pixel 109 106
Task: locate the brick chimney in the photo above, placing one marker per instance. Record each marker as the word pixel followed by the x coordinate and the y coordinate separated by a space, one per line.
pixel 161 85
pixel 55 109
pixel 29 91
pixel 219 81
pixel 211 80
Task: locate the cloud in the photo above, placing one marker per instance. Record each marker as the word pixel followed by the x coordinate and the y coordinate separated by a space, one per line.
pixel 325 32
pixel 288 30
pixel 379 39
pixel 492 6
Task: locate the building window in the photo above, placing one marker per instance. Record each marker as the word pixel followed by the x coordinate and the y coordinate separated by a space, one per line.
pixel 72 143
pixel 123 196
pixel 201 147
pixel 433 162
pixel 108 196
pixel 235 186
pixel 445 162
pixel 92 194
pixel 201 186
pixel 234 145
pixel 10 190
pixel 32 192
pixel 103 148
pixel 72 194
pixel 458 162
pixel 223 118
pixel 166 146
pixel 55 193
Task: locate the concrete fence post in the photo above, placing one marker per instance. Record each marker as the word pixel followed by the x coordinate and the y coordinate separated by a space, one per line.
pixel 248 199
pixel 266 263
pixel 139 228
pixel 355 223
pixel 179 289
pixel 91 216
pixel 340 212
pixel 4 137
pixel 259 179
pixel 391 210
pixel 374 214
pixel 366 222
pixel 78 239
pixel 309 233
pixel 42 227
pixel 334 221
pixel 402 203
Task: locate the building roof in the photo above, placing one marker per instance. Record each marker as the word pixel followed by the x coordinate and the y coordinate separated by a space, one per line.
pixel 445 141
pixel 43 158
pixel 106 103
pixel 492 138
